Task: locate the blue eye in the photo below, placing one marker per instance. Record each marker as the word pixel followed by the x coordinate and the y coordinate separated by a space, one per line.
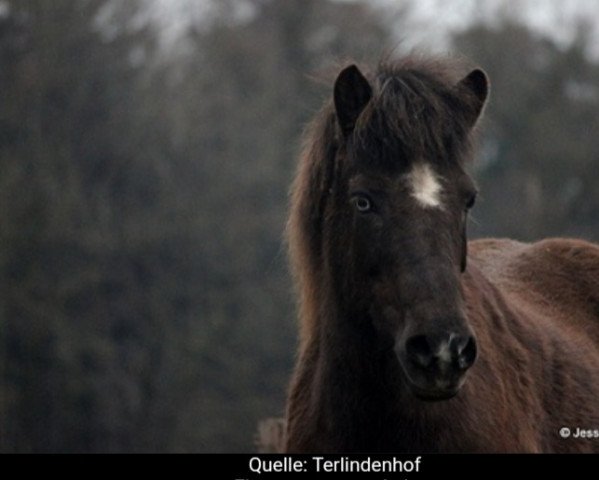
pixel 362 203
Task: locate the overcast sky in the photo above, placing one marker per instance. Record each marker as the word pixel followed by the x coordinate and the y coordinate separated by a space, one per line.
pixel 557 18
pixel 431 20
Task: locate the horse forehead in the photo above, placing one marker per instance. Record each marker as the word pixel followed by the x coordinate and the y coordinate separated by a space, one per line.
pixel 425 185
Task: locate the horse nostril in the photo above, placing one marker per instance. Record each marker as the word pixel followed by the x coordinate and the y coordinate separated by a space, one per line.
pixel 419 351
pixel 467 354
pixel 431 353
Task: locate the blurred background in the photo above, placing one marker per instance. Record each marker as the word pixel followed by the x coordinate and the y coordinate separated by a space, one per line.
pixel 146 150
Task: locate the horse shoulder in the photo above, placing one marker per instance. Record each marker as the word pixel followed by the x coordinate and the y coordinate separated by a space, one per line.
pixel 545 297
pixel 557 276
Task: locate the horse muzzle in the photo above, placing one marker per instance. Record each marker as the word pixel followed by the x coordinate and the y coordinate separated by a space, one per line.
pixel 435 366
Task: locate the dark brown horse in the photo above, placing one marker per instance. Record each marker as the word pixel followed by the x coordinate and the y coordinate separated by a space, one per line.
pixel 413 339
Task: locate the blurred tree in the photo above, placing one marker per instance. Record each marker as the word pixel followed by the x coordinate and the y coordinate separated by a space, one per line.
pixel 75 337
pixel 540 146
pixel 145 304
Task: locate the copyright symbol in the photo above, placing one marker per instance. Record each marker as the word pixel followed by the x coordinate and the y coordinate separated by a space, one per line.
pixel 564 432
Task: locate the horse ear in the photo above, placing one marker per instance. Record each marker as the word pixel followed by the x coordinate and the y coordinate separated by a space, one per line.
pixel 476 87
pixel 352 93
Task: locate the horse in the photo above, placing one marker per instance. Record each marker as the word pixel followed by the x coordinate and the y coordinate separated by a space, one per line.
pixel 411 338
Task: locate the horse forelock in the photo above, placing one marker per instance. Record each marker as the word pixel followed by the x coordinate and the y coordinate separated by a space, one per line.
pixel 414 114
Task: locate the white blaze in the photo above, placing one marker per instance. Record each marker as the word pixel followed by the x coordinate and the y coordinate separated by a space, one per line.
pixel 425 186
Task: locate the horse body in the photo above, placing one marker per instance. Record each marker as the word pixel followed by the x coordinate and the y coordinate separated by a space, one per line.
pixel 408 344
pixel 549 294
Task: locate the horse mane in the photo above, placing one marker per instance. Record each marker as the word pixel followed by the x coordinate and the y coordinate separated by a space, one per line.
pixel 416 108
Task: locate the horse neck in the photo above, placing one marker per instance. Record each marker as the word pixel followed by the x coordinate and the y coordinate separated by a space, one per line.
pixel 356 383
pixel 347 341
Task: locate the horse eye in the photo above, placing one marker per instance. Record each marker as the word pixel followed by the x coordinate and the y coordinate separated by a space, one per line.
pixel 471 201
pixel 362 203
